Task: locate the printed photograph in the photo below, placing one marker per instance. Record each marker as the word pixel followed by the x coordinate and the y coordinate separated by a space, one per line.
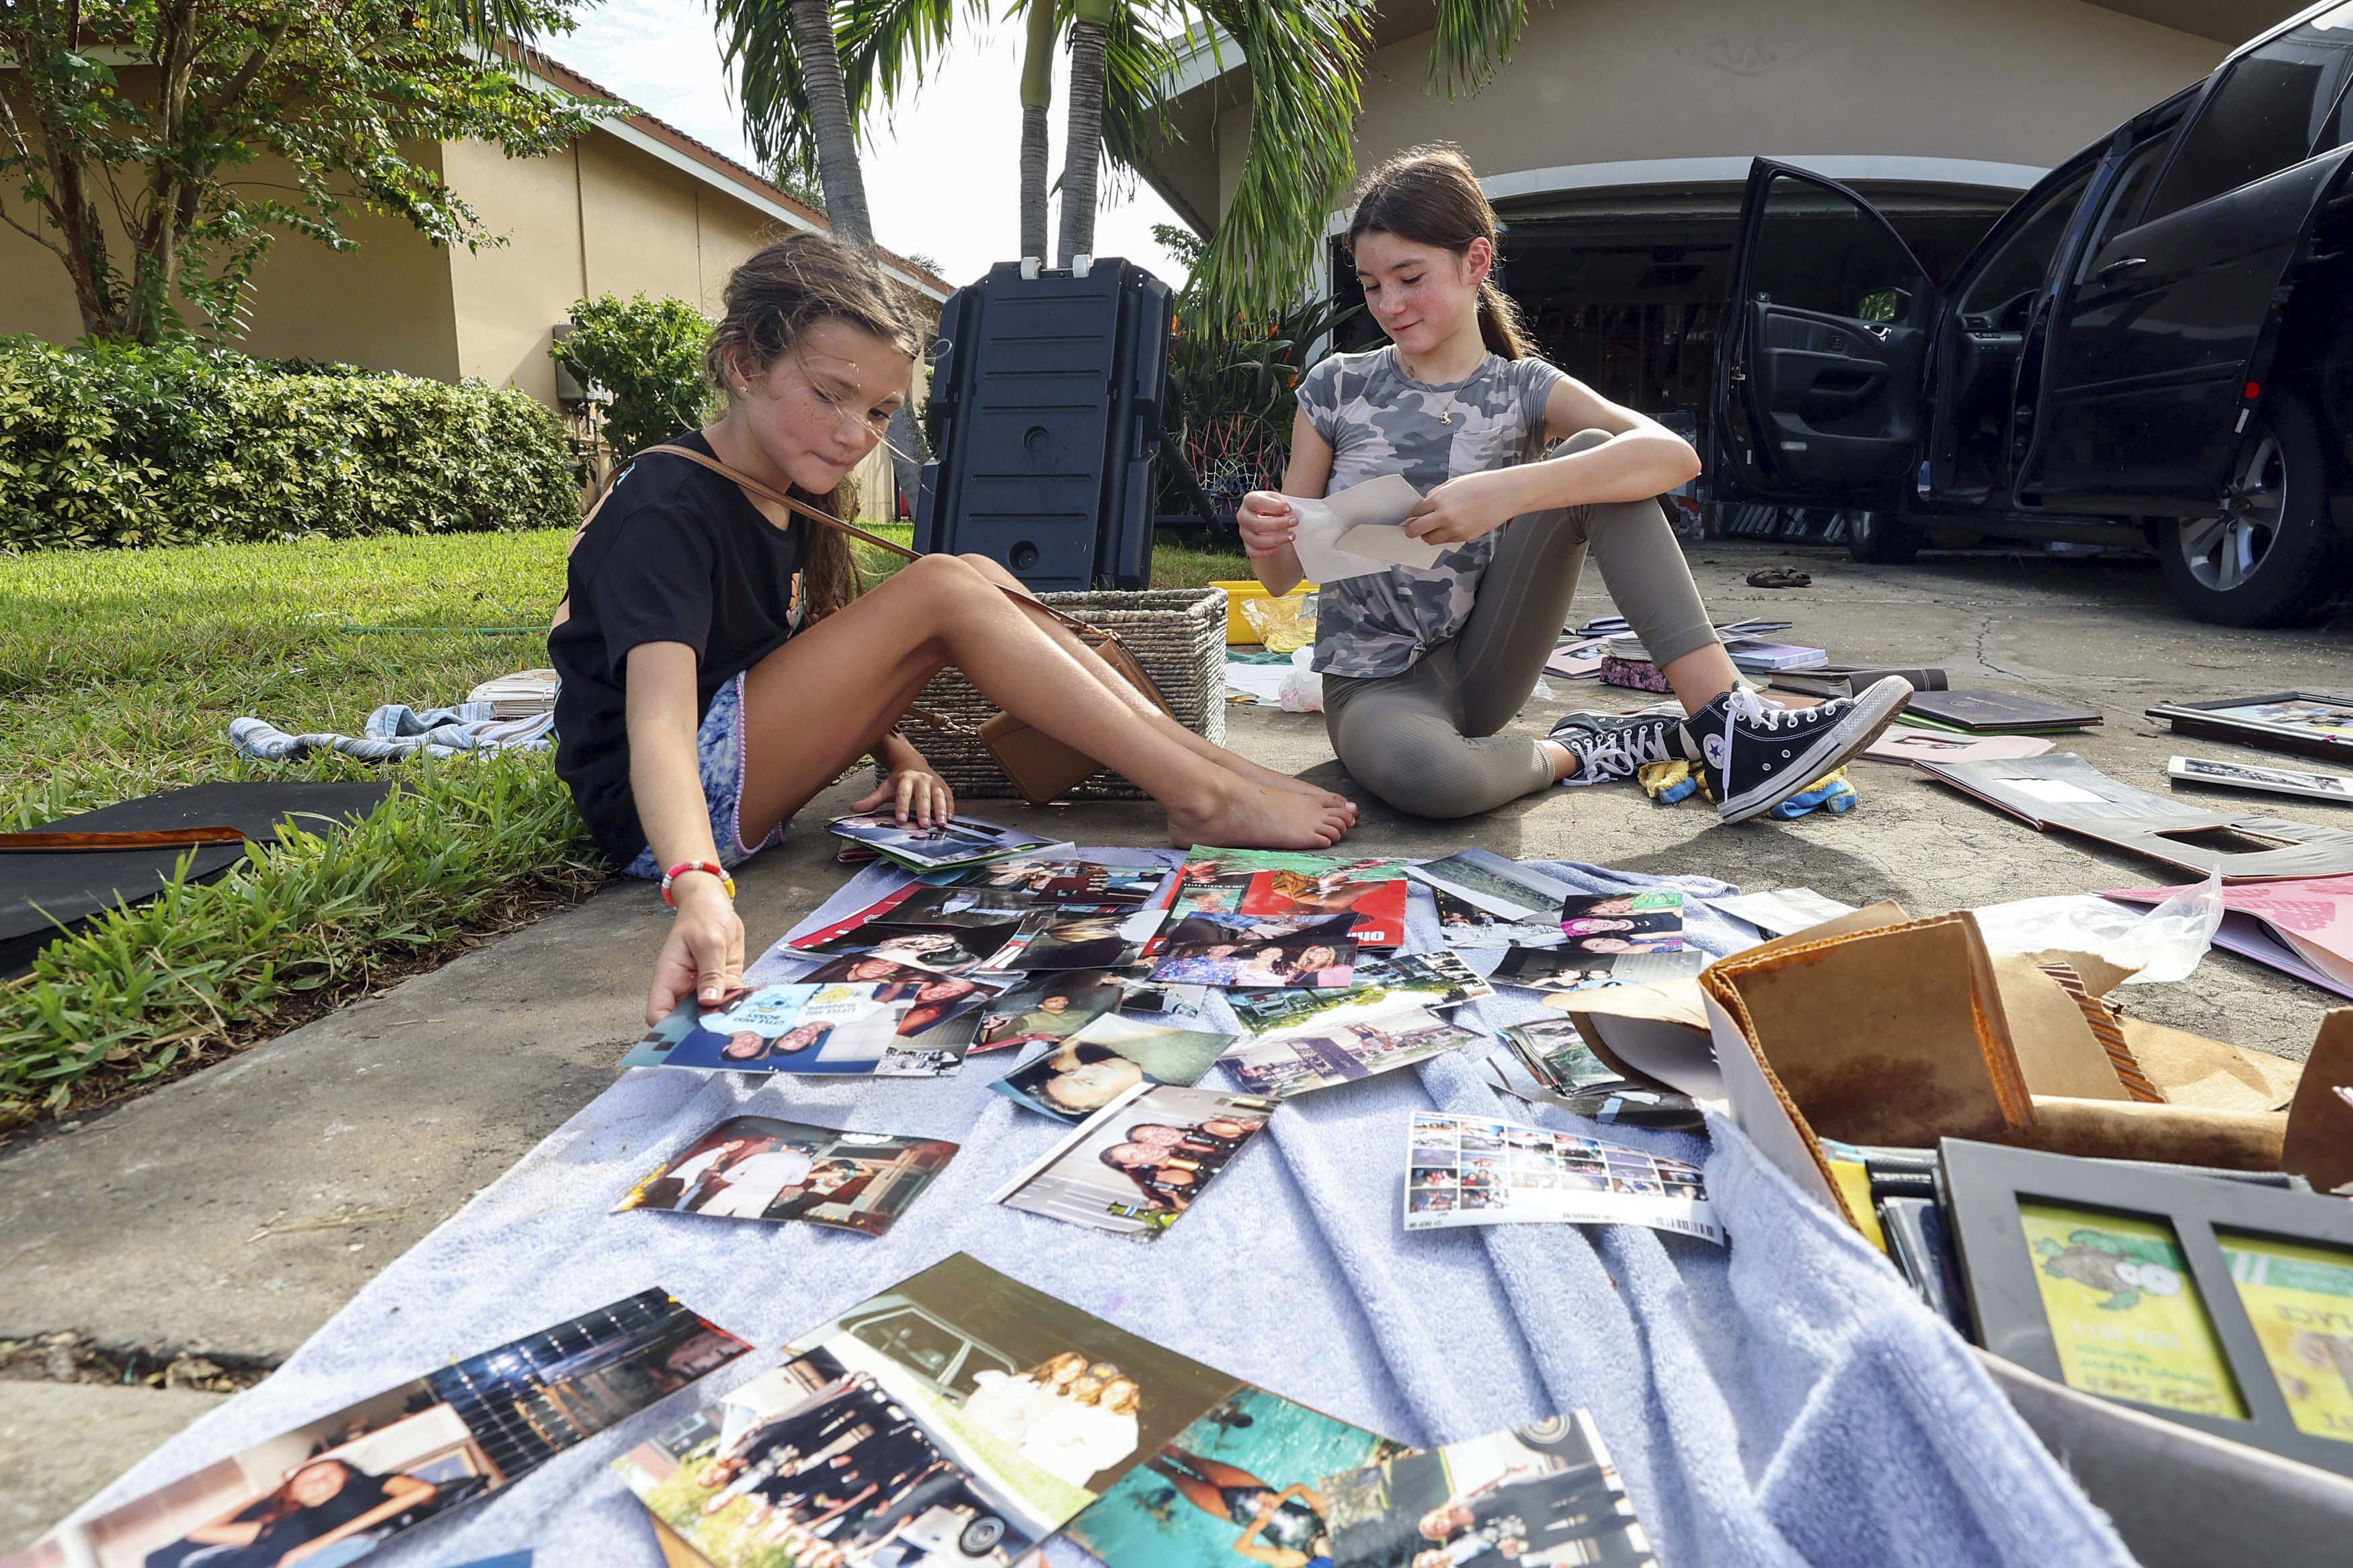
pixel 944 949
pixel 755 1168
pixel 2330 720
pixel 1540 1496
pixel 1139 1162
pixel 1060 940
pixel 1050 1007
pixel 959 841
pixel 1485 880
pixel 1343 1046
pixel 1239 1488
pixel 1206 948
pixel 1624 922
pixel 2246 776
pixel 1149 999
pixel 1556 1056
pixel 654 1050
pixel 1277 882
pixel 1438 981
pixel 1072 1081
pixel 333 1490
pixel 1464 924
pixel 1507 1174
pixel 1569 968
pixel 888 1029
pixel 1056 881
pixel 978 905
pixel 1056 1400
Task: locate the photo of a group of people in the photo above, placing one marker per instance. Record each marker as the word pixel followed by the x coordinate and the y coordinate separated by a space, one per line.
pixel 1485 901
pixel 1560 970
pixel 1278 883
pixel 334 1489
pixel 1467 1171
pixel 959 841
pixel 756 1167
pixel 1615 923
pixel 1074 1078
pixel 1343 1046
pixel 889 1028
pixel 1209 948
pixel 1138 1163
pixel 1242 1486
pixel 1541 1496
pixel 1438 981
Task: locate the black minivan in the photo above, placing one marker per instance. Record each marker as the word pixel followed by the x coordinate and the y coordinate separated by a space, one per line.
pixel 2155 345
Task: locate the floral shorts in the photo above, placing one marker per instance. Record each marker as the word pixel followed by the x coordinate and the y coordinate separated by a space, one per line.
pixel 719 751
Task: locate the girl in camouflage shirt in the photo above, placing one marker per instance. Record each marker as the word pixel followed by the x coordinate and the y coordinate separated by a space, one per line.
pixel 1522 470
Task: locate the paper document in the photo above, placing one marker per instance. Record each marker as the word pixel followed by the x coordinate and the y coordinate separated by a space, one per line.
pixel 1355 533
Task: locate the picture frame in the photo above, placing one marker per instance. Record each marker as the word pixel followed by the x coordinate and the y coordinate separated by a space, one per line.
pixel 2326 730
pixel 2215 772
pixel 1993 1195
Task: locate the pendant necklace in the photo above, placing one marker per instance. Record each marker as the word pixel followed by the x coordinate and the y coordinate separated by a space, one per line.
pixel 1446 414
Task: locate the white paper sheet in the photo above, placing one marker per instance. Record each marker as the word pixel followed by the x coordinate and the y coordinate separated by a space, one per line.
pixel 1355 533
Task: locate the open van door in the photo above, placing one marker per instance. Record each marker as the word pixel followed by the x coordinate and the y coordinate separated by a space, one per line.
pixel 1817 396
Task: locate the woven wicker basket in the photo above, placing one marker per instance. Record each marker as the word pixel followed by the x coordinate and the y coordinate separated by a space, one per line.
pixel 1178 634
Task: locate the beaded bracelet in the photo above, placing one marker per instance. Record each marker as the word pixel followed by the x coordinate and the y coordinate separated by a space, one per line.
pixel 684 867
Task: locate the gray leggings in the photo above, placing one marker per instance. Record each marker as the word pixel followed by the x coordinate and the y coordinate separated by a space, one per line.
pixel 1425 741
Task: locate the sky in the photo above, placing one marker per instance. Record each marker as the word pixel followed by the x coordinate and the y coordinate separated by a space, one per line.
pixel 943 176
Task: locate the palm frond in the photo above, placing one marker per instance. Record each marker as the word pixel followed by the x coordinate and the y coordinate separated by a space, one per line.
pixel 488 24
pixel 756 37
pixel 1137 59
pixel 1471 39
pixel 1307 65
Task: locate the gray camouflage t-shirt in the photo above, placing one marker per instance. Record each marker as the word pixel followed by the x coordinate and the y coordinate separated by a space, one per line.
pixel 1380 422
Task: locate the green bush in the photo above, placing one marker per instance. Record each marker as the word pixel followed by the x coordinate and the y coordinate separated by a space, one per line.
pixel 117 445
pixel 648 354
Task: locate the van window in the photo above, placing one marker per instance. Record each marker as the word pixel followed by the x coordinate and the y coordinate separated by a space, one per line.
pixel 1816 250
pixel 2265 114
pixel 910 1337
pixel 2017 268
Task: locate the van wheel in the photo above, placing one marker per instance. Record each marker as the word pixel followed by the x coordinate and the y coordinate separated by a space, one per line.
pixel 979 1538
pixel 1876 537
pixel 2270 557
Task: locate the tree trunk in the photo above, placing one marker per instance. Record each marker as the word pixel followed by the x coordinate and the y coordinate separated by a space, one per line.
pixel 1037 97
pixel 836 138
pixel 1082 145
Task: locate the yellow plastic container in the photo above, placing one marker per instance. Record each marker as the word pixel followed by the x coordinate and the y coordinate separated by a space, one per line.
pixel 1238 626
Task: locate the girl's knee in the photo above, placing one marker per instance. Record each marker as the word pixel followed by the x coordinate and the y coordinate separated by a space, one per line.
pixel 991 569
pixel 1426 775
pixel 1583 441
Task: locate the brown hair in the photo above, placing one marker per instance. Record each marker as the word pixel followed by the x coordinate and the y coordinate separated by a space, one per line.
pixel 1429 194
pixel 774 297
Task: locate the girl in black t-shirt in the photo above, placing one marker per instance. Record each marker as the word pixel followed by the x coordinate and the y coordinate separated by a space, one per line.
pixel 720 666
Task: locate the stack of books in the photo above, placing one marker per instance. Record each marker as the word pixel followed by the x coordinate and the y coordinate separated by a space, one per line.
pixel 1993 713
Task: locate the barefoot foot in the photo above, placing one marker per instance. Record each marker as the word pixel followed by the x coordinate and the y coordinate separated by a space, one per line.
pixel 1273 778
pixel 1242 815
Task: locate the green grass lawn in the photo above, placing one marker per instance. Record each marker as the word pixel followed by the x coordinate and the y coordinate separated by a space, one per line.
pixel 119 671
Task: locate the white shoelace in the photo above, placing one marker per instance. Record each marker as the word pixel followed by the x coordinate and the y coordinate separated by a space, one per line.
pixel 1629 749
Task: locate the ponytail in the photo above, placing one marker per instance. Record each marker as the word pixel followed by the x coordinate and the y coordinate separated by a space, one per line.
pixel 1429 194
pixel 1499 326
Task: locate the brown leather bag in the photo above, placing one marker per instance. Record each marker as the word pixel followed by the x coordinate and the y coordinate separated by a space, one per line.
pixel 1042 767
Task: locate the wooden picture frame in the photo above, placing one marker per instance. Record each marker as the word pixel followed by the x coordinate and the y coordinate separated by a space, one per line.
pixel 2217 720
pixel 1983 1185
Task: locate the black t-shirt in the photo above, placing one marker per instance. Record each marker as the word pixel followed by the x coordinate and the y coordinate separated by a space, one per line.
pixel 677 553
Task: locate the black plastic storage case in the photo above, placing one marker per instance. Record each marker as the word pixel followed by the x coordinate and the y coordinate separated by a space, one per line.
pixel 1048 391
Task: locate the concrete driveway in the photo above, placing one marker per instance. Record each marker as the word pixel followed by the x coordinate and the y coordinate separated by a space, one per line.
pixel 232 1213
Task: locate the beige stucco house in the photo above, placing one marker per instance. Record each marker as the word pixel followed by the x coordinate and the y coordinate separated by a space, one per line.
pixel 1616 143
pixel 634 206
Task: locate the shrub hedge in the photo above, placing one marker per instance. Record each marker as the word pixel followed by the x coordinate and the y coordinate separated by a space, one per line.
pixel 113 444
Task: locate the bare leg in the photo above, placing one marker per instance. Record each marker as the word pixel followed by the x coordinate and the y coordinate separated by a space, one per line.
pixel 1110 679
pixel 827 696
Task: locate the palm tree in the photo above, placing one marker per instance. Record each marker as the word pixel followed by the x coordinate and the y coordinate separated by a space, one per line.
pixel 803 101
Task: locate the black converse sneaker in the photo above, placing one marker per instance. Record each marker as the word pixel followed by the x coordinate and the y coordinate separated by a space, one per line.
pixel 1613 745
pixel 1756 756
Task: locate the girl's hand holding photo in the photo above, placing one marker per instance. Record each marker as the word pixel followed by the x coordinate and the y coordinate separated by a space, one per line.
pixel 1268 522
pixel 911 789
pixel 703 956
pixel 1467 506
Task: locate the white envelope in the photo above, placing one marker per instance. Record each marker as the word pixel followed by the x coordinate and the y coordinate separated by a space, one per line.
pixel 1355 533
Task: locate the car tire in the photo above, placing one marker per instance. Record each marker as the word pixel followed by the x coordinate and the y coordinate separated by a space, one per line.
pixel 2271 557
pixel 1877 538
